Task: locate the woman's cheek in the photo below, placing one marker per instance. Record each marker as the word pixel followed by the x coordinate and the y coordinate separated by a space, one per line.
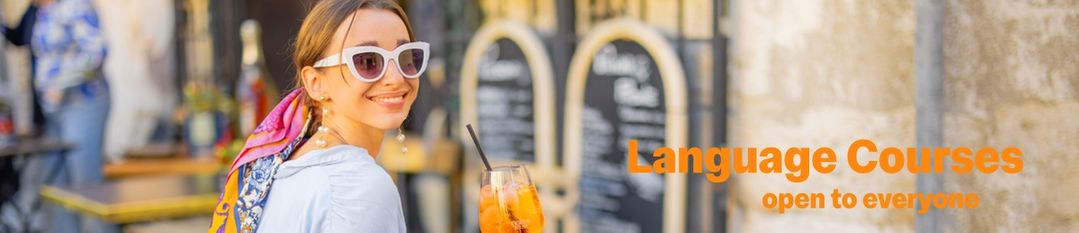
pixel 415 91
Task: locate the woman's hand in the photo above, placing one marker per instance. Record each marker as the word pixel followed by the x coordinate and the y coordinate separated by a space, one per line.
pixel 54 95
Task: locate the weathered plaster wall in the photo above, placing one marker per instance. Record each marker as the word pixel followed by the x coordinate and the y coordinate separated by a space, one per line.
pixel 821 73
pixel 1012 79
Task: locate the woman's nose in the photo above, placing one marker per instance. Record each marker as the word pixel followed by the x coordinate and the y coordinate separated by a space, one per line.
pixel 393 75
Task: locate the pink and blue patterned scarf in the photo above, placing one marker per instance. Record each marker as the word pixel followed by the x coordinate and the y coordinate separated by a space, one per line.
pixel 240 205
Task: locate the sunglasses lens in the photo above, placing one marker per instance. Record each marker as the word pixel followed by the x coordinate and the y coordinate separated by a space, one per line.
pixel 368 65
pixel 411 62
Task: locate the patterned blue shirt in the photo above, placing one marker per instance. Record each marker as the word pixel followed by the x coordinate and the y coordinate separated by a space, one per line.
pixel 70 52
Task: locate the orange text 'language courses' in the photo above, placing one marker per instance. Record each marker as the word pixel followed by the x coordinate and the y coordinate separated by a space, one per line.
pixel 863 156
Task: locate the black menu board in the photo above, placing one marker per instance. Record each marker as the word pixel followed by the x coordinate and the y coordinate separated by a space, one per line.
pixel 623 100
pixel 504 102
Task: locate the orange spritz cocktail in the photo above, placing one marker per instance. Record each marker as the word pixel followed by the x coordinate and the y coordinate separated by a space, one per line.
pixel 508 201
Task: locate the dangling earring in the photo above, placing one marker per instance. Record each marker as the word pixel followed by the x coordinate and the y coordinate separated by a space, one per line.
pixel 401 139
pixel 321 141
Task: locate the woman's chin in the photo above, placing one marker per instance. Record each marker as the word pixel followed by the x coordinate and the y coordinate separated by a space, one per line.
pixel 389 122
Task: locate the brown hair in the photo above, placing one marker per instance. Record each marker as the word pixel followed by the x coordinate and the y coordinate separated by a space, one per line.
pixel 316 33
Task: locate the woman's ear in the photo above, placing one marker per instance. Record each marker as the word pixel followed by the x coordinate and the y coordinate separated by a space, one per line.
pixel 311 82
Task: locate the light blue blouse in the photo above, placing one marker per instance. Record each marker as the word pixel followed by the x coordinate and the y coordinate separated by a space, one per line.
pixel 337 189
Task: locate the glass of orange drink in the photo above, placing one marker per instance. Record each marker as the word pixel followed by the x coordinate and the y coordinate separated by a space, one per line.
pixel 508 201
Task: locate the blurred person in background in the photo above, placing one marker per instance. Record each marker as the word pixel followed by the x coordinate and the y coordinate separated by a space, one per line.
pixel 9 182
pixel 69 51
pixel 358 68
pixel 20 35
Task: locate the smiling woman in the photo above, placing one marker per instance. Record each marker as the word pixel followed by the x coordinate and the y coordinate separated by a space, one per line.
pixel 358 66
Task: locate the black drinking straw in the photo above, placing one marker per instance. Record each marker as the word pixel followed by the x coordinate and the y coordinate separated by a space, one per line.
pixel 478 147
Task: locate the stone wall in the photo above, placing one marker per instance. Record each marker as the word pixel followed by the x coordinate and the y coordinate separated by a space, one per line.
pixel 823 73
pixel 1012 79
pixel 814 74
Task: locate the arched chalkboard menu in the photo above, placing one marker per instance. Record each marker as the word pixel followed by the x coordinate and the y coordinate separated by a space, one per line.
pixel 507 94
pixel 625 82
